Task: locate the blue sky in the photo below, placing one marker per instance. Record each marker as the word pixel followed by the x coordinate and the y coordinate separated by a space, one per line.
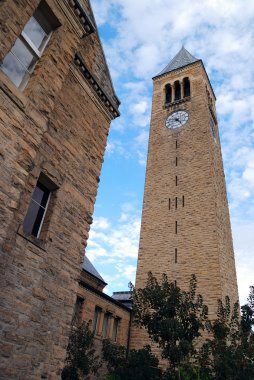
pixel 140 37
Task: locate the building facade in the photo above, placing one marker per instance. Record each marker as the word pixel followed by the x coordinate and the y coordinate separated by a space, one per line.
pixel 57 102
pixel 109 317
pixel 185 225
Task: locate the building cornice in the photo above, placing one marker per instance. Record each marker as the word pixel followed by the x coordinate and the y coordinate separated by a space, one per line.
pixel 83 17
pixel 103 295
pixel 79 62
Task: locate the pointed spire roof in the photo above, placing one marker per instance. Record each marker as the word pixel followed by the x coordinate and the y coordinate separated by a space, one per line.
pixel 182 58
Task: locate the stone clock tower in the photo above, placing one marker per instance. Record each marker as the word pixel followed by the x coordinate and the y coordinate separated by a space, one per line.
pixel 185 221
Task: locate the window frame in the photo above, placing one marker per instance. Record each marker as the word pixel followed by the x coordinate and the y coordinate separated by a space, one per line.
pixel 96 319
pixel 51 187
pixel 105 325
pixel 48 22
pixel 115 329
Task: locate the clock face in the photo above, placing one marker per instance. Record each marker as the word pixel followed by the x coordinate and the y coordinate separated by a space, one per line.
pixel 176 119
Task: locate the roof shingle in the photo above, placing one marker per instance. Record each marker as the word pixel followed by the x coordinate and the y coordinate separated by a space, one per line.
pixel 182 58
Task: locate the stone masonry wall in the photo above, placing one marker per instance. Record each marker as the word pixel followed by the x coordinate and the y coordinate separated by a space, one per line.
pixel 94 299
pixel 203 239
pixel 57 126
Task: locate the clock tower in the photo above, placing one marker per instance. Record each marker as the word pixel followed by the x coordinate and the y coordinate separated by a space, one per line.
pixel 185 225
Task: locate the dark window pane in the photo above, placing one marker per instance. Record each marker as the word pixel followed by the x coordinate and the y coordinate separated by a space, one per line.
pixel 33 216
pixel 115 329
pixel 168 93
pixel 38 220
pixel 41 194
pixel 105 326
pixel 186 87
pixel 36 209
pixel 177 90
pixel 35 32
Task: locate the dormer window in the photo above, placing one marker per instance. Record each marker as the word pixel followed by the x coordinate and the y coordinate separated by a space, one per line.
pixel 177 88
pixel 168 93
pixel 186 87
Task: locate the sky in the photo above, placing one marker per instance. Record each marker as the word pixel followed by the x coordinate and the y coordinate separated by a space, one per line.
pixel 139 38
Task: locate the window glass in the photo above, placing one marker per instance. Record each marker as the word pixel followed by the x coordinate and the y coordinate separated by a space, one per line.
pixel 17 63
pixel 115 329
pixel 35 33
pixel 105 325
pixel 40 194
pixel 96 318
pixel 36 210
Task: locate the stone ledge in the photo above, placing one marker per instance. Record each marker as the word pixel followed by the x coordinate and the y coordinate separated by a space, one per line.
pixel 32 239
pixel 176 102
pixel 83 17
pixel 96 87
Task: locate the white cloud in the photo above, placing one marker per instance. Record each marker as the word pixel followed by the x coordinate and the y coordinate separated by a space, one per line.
pixel 140 107
pixel 101 223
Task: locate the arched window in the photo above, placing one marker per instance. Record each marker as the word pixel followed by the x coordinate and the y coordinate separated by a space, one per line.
pixel 168 93
pixel 177 90
pixel 186 87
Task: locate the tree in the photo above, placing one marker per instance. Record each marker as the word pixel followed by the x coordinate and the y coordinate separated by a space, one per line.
pixel 173 318
pixel 229 353
pixel 140 364
pixel 81 358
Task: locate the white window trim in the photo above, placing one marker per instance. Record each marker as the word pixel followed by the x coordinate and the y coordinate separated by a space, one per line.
pixel 45 210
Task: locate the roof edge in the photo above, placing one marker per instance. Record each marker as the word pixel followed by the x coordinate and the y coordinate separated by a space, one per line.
pixel 97 278
pixel 104 295
pixel 189 64
pixel 179 68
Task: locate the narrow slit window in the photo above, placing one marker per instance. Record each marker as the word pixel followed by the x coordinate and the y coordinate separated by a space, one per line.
pixel 176 202
pixel 176 180
pixel 38 206
pixel 168 93
pixel 186 87
pixel 176 161
pixel 176 255
pixel 177 88
pixel 105 326
pixel 175 283
pixel 169 203
pixel 115 329
pixel 183 200
pixel 96 319
pixel 176 226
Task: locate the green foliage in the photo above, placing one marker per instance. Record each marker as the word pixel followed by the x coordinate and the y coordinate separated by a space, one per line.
pixel 173 318
pixel 113 354
pixel 229 354
pixel 81 358
pixel 140 364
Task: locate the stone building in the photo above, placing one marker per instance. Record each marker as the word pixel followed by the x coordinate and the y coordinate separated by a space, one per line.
pixel 109 317
pixel 57 101
pixel 185 225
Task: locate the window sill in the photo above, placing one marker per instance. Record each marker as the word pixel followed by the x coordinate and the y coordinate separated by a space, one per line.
pixel 32 239
pixel 183 100
pixel 12 91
